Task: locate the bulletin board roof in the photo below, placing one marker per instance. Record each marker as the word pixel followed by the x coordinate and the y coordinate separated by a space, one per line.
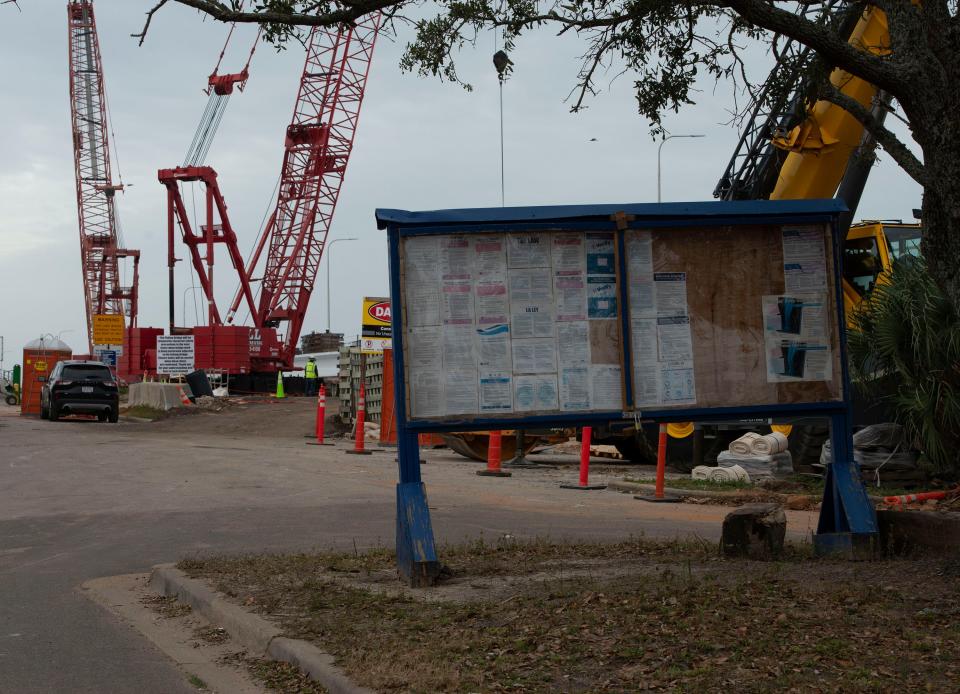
pixel 643 212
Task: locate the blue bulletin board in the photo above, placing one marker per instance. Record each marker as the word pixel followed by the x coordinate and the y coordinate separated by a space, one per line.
pixel 528 317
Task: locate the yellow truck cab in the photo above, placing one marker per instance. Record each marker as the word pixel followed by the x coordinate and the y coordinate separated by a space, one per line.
pixel 869 252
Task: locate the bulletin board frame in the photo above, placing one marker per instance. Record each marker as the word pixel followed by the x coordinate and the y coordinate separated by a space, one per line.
pixel 847 519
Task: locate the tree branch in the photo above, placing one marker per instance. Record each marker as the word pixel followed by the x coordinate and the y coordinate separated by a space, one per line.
pixel 891 144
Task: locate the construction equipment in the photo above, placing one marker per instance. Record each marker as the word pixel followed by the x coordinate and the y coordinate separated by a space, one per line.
pixel 101 244
pixel 317 148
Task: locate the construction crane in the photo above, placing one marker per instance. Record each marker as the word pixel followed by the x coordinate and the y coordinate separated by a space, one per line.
pixel 101 246
pixel 317 149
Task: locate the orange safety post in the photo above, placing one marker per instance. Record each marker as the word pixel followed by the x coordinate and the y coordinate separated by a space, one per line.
pixel 920 496
pixel 388 420
pixel 321 417
pixel 493 457
pixel 358 437
pixel 585 436
pixel 658 491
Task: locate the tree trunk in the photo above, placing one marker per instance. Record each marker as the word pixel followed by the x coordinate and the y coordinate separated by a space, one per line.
pixel 941 217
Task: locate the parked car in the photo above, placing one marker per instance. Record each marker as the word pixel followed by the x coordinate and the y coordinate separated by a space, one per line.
pixel 80 387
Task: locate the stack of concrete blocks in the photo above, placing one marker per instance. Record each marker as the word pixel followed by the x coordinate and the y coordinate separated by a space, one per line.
pixel 350 370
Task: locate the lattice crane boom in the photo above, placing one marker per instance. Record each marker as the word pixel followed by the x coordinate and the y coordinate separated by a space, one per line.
pixel 100 246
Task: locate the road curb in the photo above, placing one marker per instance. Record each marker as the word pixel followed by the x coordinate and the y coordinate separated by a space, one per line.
pixel 252 631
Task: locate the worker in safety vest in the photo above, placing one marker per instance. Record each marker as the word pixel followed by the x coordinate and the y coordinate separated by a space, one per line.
pixel 311 375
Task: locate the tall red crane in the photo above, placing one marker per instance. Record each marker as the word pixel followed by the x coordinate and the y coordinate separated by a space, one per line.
pixel 101 248
pixel 317 148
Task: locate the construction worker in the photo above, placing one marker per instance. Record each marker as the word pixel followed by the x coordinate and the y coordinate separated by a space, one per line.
pixel 310 372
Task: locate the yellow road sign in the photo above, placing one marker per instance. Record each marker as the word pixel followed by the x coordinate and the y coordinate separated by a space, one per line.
pixel 108 329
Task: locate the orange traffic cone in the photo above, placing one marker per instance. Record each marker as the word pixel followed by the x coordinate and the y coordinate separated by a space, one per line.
pixel 361 416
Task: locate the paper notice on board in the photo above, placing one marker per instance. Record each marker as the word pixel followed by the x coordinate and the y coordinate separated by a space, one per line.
pixel 528 250
pixel 455 258
pixel 804 263
pixel 531 303
pixel 671 293
pixel 422 280
pixel 457 302
pixel 493 345
pixel 423 347
pixel 601 258
pixel 528 286
pixel 460 391
pixel 646 365
pixel 673 338
pixel 606 392
pixel 569 253
pixel 601 296
pixel 426 392
pixel 536 356
pixel 574 388
pixel 640 269
pixel 796 338
pixel 570 293
pixel 459 349
pixel 490 256
pixel 496 391
pixel 491 305
pixel 573 343
pixel 677 385
pixel 536 393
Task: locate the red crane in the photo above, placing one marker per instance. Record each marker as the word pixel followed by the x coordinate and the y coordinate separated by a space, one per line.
pixel 100 245
pixel 317 148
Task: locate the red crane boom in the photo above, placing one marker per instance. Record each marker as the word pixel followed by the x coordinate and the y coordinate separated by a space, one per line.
pixel 100 246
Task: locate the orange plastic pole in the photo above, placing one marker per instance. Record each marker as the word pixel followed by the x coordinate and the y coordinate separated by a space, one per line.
pixel 361 416
pixel 585 455
pixel 494 454
pixel 910 498
pixel 661 461
pixel 321 411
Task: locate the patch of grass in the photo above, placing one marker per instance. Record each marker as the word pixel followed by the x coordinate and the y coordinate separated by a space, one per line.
pixel 687 483
pixel 611 617
pixel 145 412
pixel 276 676
pixel 197 682
pixel 166 606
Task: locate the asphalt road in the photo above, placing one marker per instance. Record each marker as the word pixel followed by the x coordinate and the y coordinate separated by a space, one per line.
pixel 82 500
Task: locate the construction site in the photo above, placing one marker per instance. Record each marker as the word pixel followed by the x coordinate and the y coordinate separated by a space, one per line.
pixel 651 456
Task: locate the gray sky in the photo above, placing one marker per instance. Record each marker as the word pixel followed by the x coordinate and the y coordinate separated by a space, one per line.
pixel 421 144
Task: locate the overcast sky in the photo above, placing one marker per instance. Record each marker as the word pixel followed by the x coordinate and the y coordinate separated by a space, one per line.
pixel 421 144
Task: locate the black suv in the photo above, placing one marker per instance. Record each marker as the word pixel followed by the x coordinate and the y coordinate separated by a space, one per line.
pixel 80 387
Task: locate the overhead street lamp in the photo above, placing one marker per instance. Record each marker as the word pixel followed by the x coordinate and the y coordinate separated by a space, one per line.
pixel 659 149
pixel 328 249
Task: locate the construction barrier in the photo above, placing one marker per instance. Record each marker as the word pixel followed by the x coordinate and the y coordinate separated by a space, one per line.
pixel 493 457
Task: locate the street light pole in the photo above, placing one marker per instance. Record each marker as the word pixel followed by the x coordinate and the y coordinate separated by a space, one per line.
pixel 328 249
pixel 663 141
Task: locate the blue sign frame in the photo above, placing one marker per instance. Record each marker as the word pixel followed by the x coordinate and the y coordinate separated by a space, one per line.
pixel 847 519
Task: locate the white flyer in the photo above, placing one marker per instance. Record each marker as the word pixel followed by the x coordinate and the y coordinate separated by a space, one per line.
pixel 574 388
pixel 640 269
pixel 426 392
pixel 491 304
pixel 798 360
pixel 573 343
pixel 606 392
pixel 423 348
pixel 422 280
pixel 528 250
pixel 537 356
pixel 677 385
pixel 490 256
pixel 671 293
pixel 457 302
pixel 460 391
pixel 800 316
pixel 531 285
pixel 646 364
pixel 496 391
pixel 175 354
pixel 493 344
pixel 673 338
pixel 570 293
pixel 455 258
pixel 459 348
pixel 804 263
pixel 569 253
pixel 536 393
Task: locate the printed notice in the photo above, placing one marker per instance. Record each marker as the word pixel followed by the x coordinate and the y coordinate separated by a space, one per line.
pixel 673 338
pixel 496 391
pixel 796 339
pixel 601 276
pixel 457 302
pixel 490 256
pixel 491 301
pixel 459 350
pixel 175 354
pixel 423 348
pixel 455 260
pixel 493 343
pixel 528 250
pixel 460 390
pixel 574 388
pixel 422 280
pixel 804 264
pixel 426 392
pixel 640 267
pixel 671 293
pixel 536 393
pixel 570 292
pixel 534 356
pixel 569 253
pixel 677 383
pixel 646 365
pixel 573 343
pixel 605 389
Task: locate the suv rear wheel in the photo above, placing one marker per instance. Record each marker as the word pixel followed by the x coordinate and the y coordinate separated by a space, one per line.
pixel 54 412
pixel 114 415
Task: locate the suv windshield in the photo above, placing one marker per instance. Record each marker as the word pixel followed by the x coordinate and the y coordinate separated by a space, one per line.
pixel 83 372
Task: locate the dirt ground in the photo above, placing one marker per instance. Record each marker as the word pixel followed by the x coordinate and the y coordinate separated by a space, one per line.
pixel 629 616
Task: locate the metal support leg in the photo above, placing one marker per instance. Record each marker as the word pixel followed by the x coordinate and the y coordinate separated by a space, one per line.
pixel 848 522
pixel 416 553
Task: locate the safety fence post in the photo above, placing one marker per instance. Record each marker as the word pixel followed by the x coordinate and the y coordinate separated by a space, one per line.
pixel 585 435
pixel 359 434
pixel 321 417
pixel 493 457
